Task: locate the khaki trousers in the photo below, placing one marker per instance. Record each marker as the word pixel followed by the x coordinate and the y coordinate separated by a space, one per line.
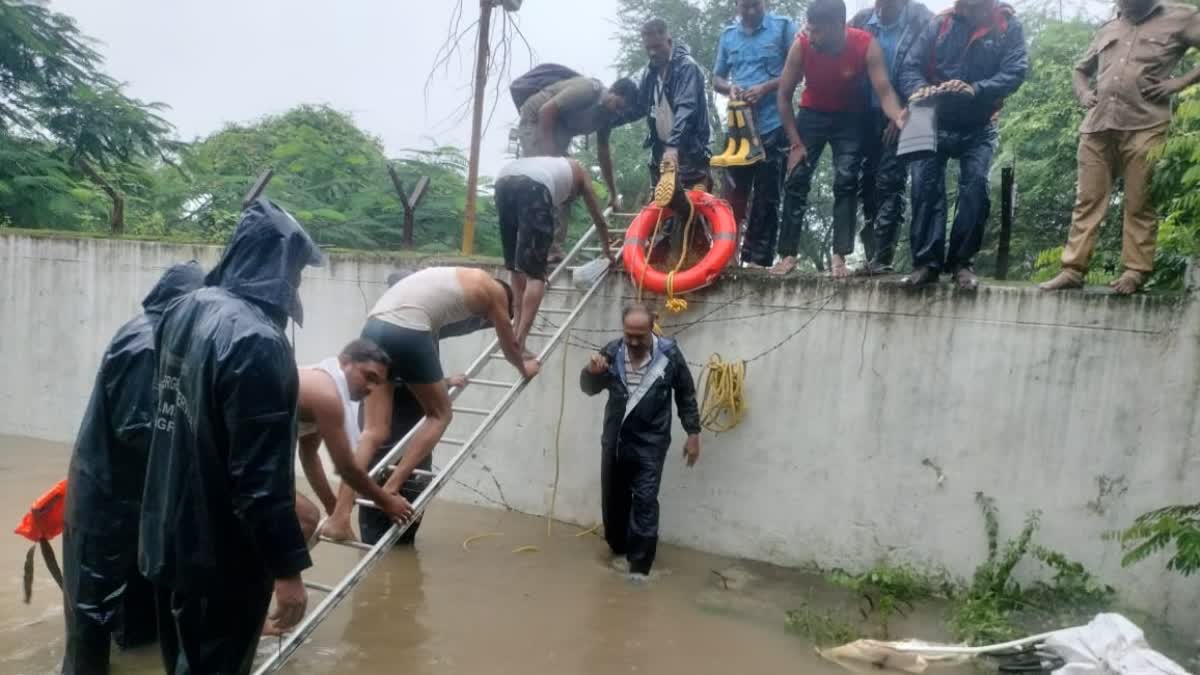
pixel 1103 157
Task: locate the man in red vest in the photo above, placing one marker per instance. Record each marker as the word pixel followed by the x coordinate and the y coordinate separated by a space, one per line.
pixel 833 61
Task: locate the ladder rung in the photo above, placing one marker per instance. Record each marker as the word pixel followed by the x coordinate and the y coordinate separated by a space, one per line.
pixel 348 544
pixel 592 249
pixel 417 472
pixel 559 289
pixel 491 383
pixel 555 310
pixel 472 411
pixel 452 441
pixel 540 334
pixel 318 587
pixel 497 355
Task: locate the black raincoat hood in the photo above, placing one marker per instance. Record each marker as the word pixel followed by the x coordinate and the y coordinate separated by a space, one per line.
pixel 178 280
pixel 264 257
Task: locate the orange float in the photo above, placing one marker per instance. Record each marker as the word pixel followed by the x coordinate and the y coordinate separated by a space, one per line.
pixel 719 216
pixel 45 518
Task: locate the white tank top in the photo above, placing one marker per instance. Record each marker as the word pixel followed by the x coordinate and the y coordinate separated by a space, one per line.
pixel 424 300
pixel 333 368
pixel 553 172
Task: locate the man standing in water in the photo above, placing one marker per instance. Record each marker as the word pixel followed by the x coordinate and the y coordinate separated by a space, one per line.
pixel 640 372
pixel 218 527
pixel 105 599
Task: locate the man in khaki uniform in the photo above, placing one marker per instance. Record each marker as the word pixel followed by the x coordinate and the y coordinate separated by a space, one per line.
pixel 1129 110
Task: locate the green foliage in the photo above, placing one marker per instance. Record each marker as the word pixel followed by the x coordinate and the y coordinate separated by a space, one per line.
pixel 1039 132
pixel 1176 189
pixel 1155 531
pixel 1049 262
pixel 824 629
pixel 996 607
pixel 888 590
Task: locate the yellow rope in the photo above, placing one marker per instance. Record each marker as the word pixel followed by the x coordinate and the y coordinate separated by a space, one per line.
pixel 466 545
pixel 562 404
pixel 724 402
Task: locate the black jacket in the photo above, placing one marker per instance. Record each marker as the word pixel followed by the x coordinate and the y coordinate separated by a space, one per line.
pixel 220 485
pixel 919 17
pixel 687 92
pixel 108 465
pixel 995 62
pixel 648 425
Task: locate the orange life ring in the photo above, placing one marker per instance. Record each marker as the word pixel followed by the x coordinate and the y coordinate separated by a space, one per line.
pixel 724 242
pixel 45 518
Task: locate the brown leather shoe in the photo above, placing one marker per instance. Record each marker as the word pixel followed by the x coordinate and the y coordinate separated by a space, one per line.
pixel 1064 280
pixel 921 276
pixel 966 279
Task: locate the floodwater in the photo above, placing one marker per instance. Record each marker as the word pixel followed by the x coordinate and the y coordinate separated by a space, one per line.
pixel 494 607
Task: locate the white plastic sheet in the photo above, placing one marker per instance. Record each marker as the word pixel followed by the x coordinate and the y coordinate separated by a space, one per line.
pixel 1110 645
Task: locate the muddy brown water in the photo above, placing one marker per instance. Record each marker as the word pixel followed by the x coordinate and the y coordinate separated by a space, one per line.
pixel 440 609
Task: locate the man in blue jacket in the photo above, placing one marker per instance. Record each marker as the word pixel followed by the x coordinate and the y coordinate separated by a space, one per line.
pixel 105 598
pixel 640 372
pixel 977 52
pixel 750 58
pixel 896 25
pixel 218 528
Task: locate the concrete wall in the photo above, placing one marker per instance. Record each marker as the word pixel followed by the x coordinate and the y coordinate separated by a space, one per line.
pixel 870 428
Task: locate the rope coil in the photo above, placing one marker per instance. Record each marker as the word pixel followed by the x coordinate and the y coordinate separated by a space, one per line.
pixel 724 402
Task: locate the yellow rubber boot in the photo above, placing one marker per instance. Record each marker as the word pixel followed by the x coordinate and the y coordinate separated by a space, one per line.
pixel 731 140
pixel 750 150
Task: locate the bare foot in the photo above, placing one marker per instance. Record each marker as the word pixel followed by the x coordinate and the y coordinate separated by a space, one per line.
pixel 1067 278
pixel 338 529
pixel 1129 282
pixel 784 266
pixel 839 271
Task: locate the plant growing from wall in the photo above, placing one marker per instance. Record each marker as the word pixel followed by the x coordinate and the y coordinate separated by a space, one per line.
pixel 1157 530
pixel 996 607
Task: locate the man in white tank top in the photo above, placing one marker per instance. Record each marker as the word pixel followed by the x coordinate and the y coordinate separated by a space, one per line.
pixel 405 323
pixel 529 194
pixel 328 413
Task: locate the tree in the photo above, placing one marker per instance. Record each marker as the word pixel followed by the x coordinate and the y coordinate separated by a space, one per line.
pixel 53 89
pixel 330 174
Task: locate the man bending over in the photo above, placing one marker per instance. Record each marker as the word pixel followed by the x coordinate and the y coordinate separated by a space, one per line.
pixel 328 413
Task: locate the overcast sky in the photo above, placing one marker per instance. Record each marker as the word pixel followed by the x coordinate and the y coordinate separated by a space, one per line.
pixel 220 61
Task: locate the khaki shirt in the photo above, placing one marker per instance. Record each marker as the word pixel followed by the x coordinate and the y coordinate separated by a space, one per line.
pixel 579 101
pixel 1126 56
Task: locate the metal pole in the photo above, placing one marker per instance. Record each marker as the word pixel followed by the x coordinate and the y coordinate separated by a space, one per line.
pixel 481 67
pixel 1006 222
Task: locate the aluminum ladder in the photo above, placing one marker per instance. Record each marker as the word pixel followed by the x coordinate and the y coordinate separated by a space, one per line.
pixel 489 416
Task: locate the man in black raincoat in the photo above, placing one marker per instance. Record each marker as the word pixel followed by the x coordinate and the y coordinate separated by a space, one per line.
pixel 218 527
pixel 674 97
pixel 104 596
pixel 640 371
